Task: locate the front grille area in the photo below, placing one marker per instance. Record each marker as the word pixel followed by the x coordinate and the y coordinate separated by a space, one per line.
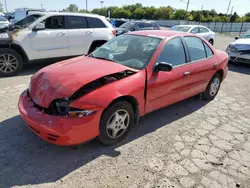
pixel 34 130
pixel 52 137
pixel 243 60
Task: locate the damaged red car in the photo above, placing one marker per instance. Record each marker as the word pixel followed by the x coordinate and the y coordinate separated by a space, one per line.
pixel 102 95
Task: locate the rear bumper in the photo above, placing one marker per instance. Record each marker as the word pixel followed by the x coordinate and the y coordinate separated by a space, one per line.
pixel 56 129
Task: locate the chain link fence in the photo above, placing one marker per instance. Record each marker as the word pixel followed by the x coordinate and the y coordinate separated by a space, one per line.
pixel 219 27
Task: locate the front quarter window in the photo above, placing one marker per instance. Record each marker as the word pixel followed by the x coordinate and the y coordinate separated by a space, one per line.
pixel 129 50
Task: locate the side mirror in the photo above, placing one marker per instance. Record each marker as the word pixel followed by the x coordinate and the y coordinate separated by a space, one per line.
pixel 163 66
pixel 39 26
pixel 236 38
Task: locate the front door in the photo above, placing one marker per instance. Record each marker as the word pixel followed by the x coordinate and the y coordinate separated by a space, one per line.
pixel 165 88
pixel 51 42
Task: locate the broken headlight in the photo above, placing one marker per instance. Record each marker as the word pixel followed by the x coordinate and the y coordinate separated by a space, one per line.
pixel 64 109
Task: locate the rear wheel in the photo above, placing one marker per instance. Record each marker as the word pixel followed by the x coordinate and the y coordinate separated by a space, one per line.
pixel 10 62
pixel 212 88
pixel 116 122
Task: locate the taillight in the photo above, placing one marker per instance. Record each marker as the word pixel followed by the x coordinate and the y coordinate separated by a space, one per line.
pixel 114 32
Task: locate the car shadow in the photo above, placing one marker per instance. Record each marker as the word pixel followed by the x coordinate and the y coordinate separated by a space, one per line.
pixel 240 68
pixel 26 159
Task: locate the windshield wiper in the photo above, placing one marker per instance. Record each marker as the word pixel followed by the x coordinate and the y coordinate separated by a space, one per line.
pixel 102 58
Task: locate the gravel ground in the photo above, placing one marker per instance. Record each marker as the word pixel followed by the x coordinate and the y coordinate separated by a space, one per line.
pixel 189 144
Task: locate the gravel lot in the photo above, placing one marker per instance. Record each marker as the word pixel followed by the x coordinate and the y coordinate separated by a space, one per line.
pixel 189 144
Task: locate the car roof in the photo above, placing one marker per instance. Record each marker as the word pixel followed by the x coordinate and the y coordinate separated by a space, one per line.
pixel 160 33
pixel 191 26
pixel 141 21
pixel 72 14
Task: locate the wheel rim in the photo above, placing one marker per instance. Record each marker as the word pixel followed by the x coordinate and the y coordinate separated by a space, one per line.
pixel 117 124
pixel 214 87
pixel 8 63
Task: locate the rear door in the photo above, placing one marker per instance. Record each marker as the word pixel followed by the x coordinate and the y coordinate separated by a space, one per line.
pixel 165 88
pixel 203 63
pixel 51 42
pixel 79 35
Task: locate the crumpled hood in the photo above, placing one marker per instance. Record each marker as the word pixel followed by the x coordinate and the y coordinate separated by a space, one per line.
pixel 241 44
pixel 64 78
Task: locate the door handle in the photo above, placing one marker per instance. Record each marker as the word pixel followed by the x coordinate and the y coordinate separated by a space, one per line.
pixel 186 73
pixel 61 33
pixel 89 32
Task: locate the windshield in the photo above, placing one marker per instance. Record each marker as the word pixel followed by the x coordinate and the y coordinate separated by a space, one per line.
pixel 28 20
pixel 128 25
pixel 129 50
pixel 180 28
pixel 246 35
pixel 3 19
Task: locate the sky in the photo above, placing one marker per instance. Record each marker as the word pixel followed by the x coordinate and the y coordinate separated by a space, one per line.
pixel 240 6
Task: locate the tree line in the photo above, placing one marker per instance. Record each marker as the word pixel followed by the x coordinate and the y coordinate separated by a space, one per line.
pixel 138 11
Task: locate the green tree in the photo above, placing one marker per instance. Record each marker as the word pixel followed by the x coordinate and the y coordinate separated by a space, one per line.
pixel 150 13
pixel 1 6
pixel 234 17
pixel 164 13
pixel 139 13
pixel 72 8
pixel 179 14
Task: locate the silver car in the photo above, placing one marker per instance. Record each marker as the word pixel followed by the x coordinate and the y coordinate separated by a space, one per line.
pixel 3 22
pixel 239 50
pixel 196 29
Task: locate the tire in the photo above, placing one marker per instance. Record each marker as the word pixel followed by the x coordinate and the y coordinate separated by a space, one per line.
pixel 94 47
pixel 6 66
pixel 109 125
pixel 211 41
pixel 210 93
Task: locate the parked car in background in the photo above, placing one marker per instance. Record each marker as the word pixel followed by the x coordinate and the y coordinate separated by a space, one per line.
pixel 117 22
pixel 4 22
pixel 198 30
pixel 136 26
pixel 239 50
pixel 51 35
pixel 104 94
pixel 21 13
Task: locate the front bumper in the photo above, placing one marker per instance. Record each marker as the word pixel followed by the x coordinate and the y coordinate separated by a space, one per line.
pixel 58 130
pixel 239 57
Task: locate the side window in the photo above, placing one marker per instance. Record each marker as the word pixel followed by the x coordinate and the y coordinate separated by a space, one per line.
pixel 195 30
pixel 55 22
pixel 76 22
pixel 147 25
pixel 208 50
pixel 140 25
pixel 203 30
pixel 195 48
pixel 95 23
pixel 173 53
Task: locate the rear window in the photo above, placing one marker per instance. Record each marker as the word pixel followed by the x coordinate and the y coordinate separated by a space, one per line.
pixel 155 24
pixel 76 22
pixel 95 23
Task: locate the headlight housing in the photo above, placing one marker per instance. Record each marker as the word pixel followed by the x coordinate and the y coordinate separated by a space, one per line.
pixel 233 48
pixel 64 109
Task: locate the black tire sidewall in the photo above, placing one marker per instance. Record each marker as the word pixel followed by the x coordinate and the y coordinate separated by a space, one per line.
pixel 17 56
pixel 103 137
pixel 206 94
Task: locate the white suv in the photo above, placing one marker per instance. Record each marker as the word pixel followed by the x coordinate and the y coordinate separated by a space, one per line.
pixel 55 36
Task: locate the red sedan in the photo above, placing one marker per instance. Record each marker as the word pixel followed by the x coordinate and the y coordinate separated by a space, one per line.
pixel 104 94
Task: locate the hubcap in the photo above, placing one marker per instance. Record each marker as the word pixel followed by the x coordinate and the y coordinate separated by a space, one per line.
pixel 214 86
pixel 117 124
pixel 8 63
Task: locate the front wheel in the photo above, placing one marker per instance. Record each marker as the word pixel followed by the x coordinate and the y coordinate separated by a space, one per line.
pixel 10 62
pixel 212 88
pixel 116 122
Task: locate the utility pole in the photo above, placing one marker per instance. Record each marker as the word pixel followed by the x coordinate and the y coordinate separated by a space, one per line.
pixel 228 7
pixel 41 6
pixel 187 2
pixel 6 8
pixel 101 3
pixel 231 14
pixel 201 12
pixel 86 5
